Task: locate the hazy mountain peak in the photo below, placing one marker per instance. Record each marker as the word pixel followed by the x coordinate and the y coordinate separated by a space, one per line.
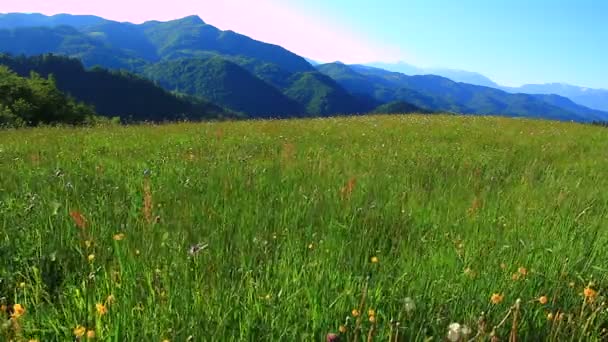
pixel 191 19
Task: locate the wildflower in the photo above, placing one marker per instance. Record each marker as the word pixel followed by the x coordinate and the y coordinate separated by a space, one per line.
pixel 110 300
pixel 543 300
pixel 91 257
pixel 571 284
pixel 497 298
pixel 137 252
pixel 590 293
pixel 409 305
pixel 342 329
pixel 3 308
pixel 22 285
pixel 311 246
pixel 465 330
pixel 515 276
pixel 119 237
pixel 523 271
pixel 371 312
pixel 88 243
pixel 33 340
pixel 79 331
pixel 78 219
pixel 372 319
pixel 454 331
pixel 503 266
pixel 355 313
pixel 18 311
pixel 268 297
pixel 91 334
pixel 550 316
pixel 375 260
pixel 101 309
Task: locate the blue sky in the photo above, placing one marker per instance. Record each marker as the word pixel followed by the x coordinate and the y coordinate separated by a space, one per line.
pixel 511 41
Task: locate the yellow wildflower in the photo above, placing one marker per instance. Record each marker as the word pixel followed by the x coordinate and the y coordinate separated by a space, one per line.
pixel 91 257
pixel 523 271
pixel 497 298
pixel 79 331
pixel 101 309
pixel 119 237
pixel 550 316
pixel 91 334
pixel 372 319
pixel 22 285
pixel 355 313
pixel 111 299
pixel 342 329
pixel 543 300
pixel 590 293
pixel 18 311
pixel 375 260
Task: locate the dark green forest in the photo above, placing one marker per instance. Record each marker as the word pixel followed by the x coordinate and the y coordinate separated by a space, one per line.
pixel 113 93
pixel 34 100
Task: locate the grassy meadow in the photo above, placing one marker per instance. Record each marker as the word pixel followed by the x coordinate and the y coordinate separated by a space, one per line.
pixel 378 228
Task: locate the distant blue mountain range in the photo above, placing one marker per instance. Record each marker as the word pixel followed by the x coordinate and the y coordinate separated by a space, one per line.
pixel 588 97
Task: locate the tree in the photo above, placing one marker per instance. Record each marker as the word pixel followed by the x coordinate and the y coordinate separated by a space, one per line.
pixel 36 100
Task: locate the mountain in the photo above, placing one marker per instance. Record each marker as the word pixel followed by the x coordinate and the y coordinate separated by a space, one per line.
pixel 85 36
pixel 321 95
pixel 66 40
pixel 441 94
pixel 398 107
pixel 14 20
pixel 591 98
pixel 455 75
pixel 224 83
pixel 113 93
pixel 260 79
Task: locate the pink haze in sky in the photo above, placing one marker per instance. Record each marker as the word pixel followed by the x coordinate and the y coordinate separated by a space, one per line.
pixel 311 34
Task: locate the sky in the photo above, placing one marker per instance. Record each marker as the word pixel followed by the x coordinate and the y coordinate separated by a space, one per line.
pixel 511 41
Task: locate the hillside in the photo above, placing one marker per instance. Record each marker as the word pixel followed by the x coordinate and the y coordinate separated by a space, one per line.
pixel 113 93
pixel 34 100
pixel 275 230
pixel 322 96
pixel 441 94
pixel 224 83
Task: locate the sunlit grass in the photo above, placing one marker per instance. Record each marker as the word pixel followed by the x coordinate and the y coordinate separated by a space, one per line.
pixel 410 226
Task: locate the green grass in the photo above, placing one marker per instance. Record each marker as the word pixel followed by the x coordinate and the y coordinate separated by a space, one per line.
pixel 292 213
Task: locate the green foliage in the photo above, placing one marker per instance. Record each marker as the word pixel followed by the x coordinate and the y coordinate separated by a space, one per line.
pixel 398 107
pixel 224 83
pixel 265 230
pixel 36 100
pixel 322 96
pixel 114 93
